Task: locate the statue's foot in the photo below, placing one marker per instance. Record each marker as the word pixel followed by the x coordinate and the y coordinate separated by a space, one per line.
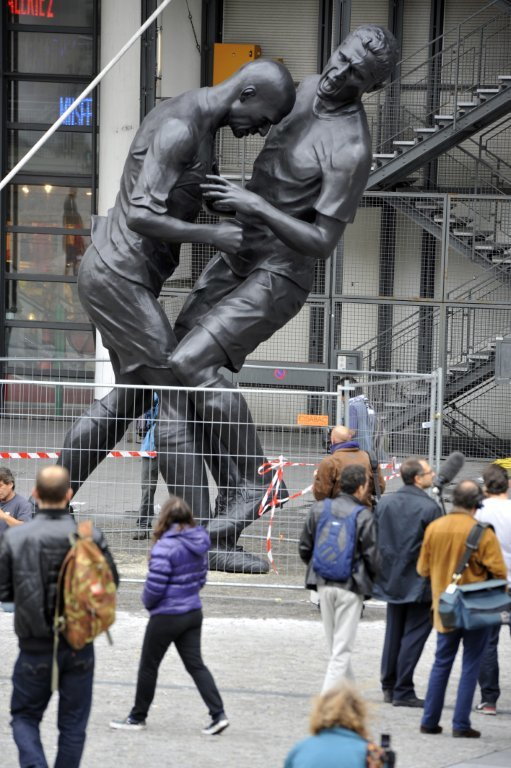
pixel 248 498
pixel 236 560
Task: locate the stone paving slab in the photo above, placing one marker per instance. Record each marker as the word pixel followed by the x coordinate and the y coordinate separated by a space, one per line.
pixel 267 669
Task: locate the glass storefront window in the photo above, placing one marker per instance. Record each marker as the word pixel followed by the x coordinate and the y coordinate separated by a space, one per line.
pixel 66 152
pixel 51 54
pixel 44 302
pixel 56 13
pixel 48 343
pixel 30 205
pixel 45 254
pixel 39 102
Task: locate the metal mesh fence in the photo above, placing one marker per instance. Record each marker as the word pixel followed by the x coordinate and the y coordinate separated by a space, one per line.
pixel 292 422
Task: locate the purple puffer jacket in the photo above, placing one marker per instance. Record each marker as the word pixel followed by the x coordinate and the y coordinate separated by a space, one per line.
pixel 177 571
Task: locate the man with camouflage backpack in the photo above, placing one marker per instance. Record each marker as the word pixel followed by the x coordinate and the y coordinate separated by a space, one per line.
pixel 338 542
pixel 31 557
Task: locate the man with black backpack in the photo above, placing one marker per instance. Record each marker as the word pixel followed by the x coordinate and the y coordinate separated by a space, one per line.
pixel 31 557
pixel 338 543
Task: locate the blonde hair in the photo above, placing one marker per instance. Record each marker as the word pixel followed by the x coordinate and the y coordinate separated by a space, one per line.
pixel 341 706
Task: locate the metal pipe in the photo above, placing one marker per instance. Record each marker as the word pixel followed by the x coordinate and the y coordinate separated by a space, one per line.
pixel 44 138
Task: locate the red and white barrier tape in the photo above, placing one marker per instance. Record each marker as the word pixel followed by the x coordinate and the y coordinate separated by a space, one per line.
pixel 56 454
pixel 271 498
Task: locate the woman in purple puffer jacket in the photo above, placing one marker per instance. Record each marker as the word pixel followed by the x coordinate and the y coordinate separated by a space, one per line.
pixel 177 572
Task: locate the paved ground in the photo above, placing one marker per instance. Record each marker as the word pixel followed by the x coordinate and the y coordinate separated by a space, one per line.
pixel 268 656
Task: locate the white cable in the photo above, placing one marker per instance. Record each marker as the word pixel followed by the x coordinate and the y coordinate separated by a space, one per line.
pixel 84 93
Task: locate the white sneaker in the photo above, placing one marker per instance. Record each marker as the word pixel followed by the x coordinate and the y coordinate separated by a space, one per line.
pixel 128 724
pixel 216 726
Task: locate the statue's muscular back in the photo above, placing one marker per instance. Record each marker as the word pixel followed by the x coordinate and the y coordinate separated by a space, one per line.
pixel 169 157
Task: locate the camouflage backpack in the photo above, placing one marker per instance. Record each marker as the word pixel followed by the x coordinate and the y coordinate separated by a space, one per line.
pixel 86 592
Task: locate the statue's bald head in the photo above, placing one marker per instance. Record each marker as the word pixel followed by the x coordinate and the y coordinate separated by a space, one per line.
pixel 52 487
pixel 271 82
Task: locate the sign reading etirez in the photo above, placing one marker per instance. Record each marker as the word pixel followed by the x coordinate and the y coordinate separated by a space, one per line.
pixel 31 8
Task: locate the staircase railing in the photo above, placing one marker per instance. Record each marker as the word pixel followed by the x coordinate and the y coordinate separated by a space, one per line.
pixel 467 58
pixel 462 339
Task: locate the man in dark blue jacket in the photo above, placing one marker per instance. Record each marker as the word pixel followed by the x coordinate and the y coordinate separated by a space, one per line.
pixel 401 519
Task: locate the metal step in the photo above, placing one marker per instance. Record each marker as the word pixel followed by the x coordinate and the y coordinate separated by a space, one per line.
pixel 480 356
pixel 405 143
pixel 443 118
pixel 429 206
pixel 384 155
pixel 485 92
pixel 504 79
pixel 467 104
pixel 459 368
pixel 425 130
pixel 462 233
pixel 484 248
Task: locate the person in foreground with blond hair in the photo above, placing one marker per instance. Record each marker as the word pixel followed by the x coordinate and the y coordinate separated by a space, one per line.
pixel 338 724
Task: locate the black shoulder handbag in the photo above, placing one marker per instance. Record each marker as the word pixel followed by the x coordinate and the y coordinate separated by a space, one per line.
pixel 478 605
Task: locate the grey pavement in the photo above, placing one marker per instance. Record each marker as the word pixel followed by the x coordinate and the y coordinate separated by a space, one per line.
pixel 268 656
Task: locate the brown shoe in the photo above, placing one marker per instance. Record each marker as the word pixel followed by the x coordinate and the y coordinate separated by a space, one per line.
pixel 467 733
pixel 431 729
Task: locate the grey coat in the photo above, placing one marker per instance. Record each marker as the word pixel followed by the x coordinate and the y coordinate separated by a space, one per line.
pixel 366 558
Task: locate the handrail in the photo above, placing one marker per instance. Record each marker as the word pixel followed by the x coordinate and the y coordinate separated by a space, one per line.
pixel 448 57
pixel 430 43
pixel 58 122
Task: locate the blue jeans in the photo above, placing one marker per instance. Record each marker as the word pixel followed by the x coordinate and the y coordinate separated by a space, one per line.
pixel 31 693
pixel 474 644
pixel 489 672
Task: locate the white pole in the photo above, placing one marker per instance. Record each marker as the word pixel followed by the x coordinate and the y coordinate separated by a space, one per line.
pixel 84 93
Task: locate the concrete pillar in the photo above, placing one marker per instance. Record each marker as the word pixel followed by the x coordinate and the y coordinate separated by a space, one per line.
pixel 180 59
pixel 118 122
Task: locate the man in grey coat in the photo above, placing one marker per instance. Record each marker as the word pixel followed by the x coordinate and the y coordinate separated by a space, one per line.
pixel 341 603
pixel 402 519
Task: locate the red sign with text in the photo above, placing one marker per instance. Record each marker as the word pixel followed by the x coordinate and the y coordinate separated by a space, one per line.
pixel 36 8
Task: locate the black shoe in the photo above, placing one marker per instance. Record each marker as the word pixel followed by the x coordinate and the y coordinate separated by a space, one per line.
pixel 467 733
pixel 388 695
pixel 216 726
pixel 144 533
pixel 431 729
pixel 413 701
pixel 235 560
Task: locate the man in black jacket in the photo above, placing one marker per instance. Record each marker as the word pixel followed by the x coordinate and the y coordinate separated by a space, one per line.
pixel 30 560
pixel 401 519
pixel 341 603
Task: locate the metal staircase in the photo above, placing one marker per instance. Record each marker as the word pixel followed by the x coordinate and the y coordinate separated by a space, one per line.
pixel 471 366
pixel 444 99
pixel 480 238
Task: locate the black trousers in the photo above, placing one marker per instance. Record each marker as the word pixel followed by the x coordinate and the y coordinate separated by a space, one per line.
pixel 183 629
pixel 406 631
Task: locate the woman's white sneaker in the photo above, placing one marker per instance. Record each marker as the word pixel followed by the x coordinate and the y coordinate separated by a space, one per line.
pixel 128 724
pixel 216 726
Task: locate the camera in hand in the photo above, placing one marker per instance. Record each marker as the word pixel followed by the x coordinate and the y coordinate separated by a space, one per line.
pixel 389 754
